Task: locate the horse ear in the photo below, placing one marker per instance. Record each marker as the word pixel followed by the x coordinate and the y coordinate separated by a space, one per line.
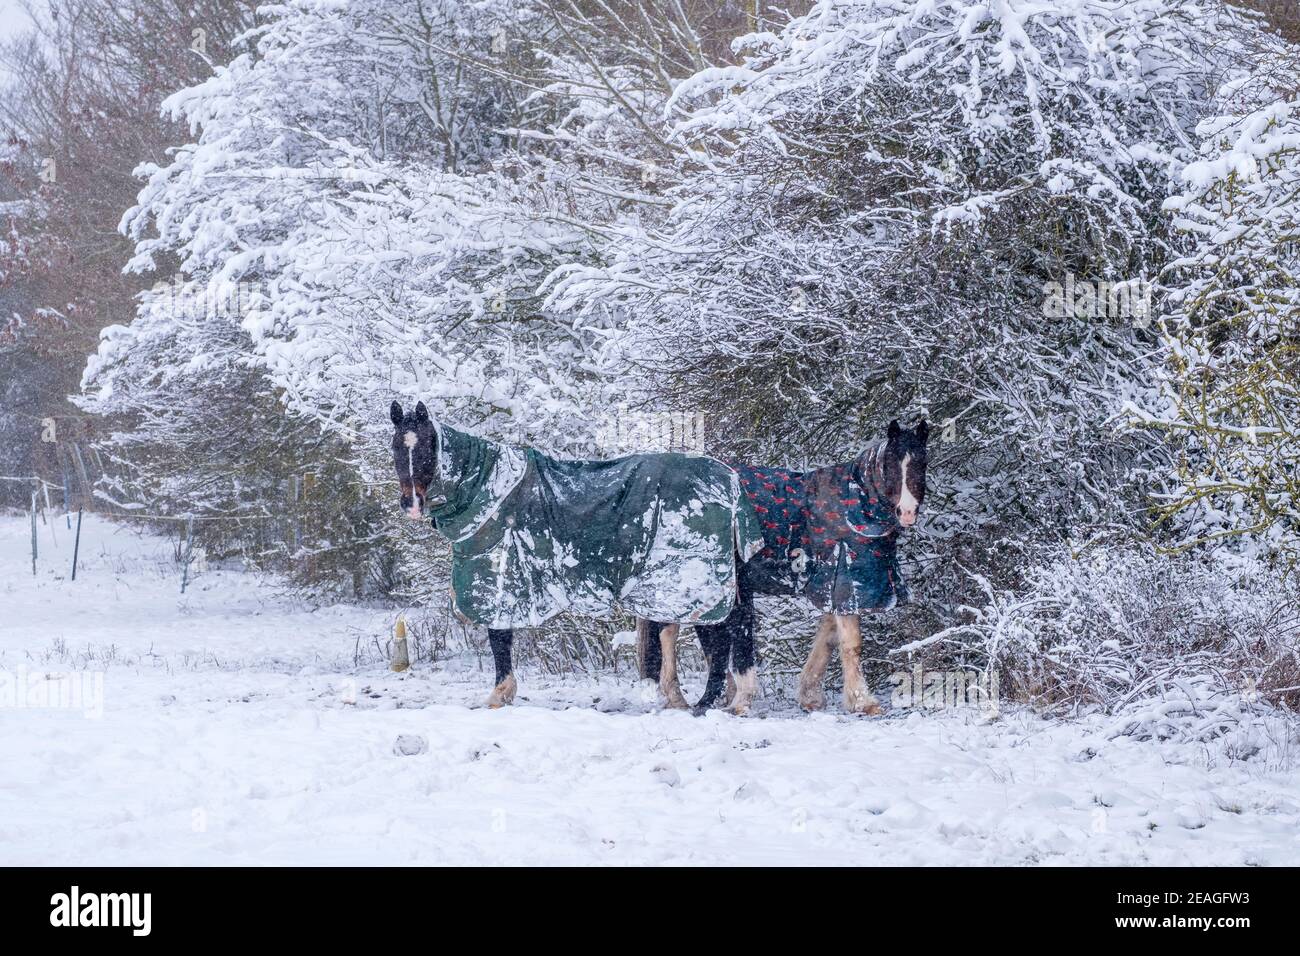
pixel 395 413
pixel 421 413
pixel 923 430
pixel 894 431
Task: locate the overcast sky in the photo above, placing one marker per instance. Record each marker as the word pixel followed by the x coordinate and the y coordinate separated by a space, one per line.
pixel 13 20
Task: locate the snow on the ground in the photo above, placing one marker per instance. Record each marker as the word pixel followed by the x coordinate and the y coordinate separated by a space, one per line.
pixel 237 729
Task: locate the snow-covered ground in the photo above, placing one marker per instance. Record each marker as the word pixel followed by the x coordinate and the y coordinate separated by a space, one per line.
pixel 235 728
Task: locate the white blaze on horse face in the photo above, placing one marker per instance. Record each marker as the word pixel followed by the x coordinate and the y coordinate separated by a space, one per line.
pixel 410 440
pixel 907 503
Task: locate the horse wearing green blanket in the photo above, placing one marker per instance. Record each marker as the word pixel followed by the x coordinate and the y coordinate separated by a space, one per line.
pixel 659 536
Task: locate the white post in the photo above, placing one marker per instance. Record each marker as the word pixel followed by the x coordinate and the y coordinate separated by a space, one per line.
pixel 189 548
pixel 401 656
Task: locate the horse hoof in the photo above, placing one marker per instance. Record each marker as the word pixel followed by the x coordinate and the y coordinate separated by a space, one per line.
pixel 673 699
pixel 859 700
pixel 866 708
pixel 746 691
pixel 811 700
pixel 503 693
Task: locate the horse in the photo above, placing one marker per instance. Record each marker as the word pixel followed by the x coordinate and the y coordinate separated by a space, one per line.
pixel 830 536
pixel 660 535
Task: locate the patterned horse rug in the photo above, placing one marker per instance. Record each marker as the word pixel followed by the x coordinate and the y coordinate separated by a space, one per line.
pixel 828 535
pixel 532 536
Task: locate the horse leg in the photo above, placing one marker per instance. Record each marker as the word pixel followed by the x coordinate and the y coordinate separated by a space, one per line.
pixel 504 691
pixel 649 657
pixel 857 696
pixel 812 696
pixel 744 655
pixel 668 672
pixel 715 641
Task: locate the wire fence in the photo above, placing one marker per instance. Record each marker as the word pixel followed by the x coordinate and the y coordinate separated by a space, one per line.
pixel 306 526
pixel 68 471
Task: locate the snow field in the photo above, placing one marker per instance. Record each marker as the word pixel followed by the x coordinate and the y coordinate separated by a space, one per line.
pixel 237 727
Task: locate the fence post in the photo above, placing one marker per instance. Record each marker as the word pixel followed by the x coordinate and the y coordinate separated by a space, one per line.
pixel 81 464
pixel 34 534
pixel 189 547
pixel 67 498
pixel 297 528
pixel 401 657
pixel 76 545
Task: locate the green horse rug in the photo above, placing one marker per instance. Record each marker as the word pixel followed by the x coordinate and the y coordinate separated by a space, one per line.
pixel 660 536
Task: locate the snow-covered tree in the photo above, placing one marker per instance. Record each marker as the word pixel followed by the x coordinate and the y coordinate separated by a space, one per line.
pixel 366 211
pixel 342 181
pixel 382 188
pixel 78 112
pixel 1230 389
pixel 878 204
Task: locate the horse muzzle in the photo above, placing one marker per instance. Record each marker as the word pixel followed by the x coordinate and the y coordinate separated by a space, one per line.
pixel 413 501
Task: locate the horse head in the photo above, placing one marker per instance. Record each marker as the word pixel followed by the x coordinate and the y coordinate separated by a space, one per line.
pixel 897 468
pixel 415 455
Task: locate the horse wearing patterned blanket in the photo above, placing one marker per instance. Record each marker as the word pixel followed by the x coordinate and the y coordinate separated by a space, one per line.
pixel 829 535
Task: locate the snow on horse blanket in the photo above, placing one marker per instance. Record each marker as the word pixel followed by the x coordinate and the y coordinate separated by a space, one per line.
pixel 828 535
pixel 533 536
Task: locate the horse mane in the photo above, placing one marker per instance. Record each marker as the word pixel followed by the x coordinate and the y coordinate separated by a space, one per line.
pixel 868 467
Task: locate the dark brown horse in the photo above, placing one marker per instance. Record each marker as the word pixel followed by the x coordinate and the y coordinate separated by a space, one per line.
pixel 660 535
